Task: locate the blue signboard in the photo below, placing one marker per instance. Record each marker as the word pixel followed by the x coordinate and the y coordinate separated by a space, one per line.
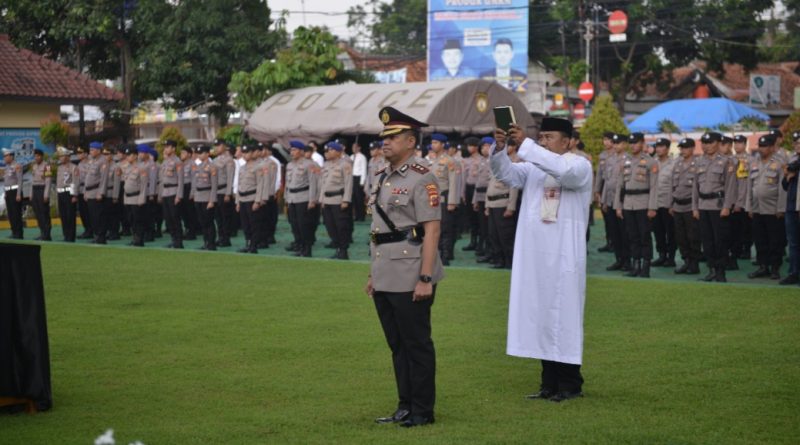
pixel 488 39
pixel 23 141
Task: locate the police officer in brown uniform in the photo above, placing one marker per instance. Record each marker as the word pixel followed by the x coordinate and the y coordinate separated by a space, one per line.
pixel 83 205
pixel 170 191
pixel 444 168
pixel 470 173
pixel 501 209
pixel 612 177
pixel 741 237
pixel 204 194
pixel 712 200
pixel 663 224
pixel 110 197
pixel 335 194
pixel 12 186
pixel 186 206
pixel 479 200
pixel 766 205
pixel 687 234
pixel 135 176
pixel 249 199
pixel 94 191
pixel 636 203
pixel 301 194
pixel 41 173
pixel 600 179
pixel 224 209
pixel 405 267
pixel 67 193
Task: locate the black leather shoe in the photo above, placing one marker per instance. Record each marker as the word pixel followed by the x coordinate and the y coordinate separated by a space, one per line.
pixel 659 261
pixel 790 279
pixel 565 395
pixel 543 394
pixel 616 266
pixel 398 416
pixel 417 421
pixel 682 269
pixel 761 272
pixel 606 248
pixel 712 273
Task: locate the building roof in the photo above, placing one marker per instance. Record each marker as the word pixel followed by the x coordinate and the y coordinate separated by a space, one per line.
pixel 27 75
pixel 416 66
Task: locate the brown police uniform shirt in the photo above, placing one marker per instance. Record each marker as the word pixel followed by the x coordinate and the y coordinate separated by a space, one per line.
pixel 225 167
pixel 765 195
pixel 482 184
pixel 67 179
pixel 683 177
pixel 171 178
pixel 637 188
pixel 501 196
pixel 664 186
pixel 715 183
pixel 94 183
pixel 250 183
pixel 444 168
pixel 136 178
pixel 409 196
pixel 336 184
pixel 204 182
pixel 42 176
pixel 301 183
pixel 611 177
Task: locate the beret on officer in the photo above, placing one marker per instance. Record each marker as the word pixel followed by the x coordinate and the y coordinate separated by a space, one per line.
pixel 686 143
pixel 768 140
pixel 395 122
pixel 334 145
pixel 297 144
pixel 636 137
pixel 439 137
pixel 662 142
pixel 739 138
pixel 95 145
pixel 557 124
pixel 487 140
pixel 143 148
pixel 711 137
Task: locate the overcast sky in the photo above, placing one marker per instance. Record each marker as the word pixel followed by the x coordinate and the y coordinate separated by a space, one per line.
pixel 334 17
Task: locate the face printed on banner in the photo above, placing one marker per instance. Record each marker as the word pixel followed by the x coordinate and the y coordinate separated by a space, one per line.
pixel 503 54
pixel 452 58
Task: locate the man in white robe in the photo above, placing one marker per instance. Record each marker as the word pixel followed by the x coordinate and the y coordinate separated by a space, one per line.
pixel 548 278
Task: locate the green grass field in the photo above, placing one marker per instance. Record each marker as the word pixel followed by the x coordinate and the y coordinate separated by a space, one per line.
pixel 180 347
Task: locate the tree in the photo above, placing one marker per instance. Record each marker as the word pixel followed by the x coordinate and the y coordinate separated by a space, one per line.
pixel 399 27
pixel 604 117
pixel 311 60
pixel 791 125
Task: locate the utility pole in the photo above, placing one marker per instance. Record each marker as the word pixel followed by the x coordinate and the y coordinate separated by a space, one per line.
pixel 588 36
pixel 564 65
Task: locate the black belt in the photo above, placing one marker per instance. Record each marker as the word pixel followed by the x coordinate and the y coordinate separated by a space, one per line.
pixel 682 202
pixel 167 186
pixel 89 189
pixel 302 189
pixel 37 186
pixel 637 192
pixel 481 189
pixel 203 189
pixel 219 186
pixel 132 194
pixel 496 197
pixel 717 195
pixel 415 235
pixel 251 192
pixel 336 193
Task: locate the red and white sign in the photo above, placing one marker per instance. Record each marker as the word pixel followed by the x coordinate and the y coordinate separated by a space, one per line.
pixel 586 91
pixel 580 111
pixel 617 22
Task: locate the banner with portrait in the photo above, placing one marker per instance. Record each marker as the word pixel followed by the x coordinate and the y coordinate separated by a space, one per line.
pixel 486 39
pixel 23 141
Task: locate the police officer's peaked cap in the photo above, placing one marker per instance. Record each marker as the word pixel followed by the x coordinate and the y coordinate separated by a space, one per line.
pixel 249 148
pixel 395 122
pixel 635 137
pixel 131 150
pixel 796 136
pixel 686 143
pixel 375 144
pixel 107 150
pixel 727 140
pixel 768 140
pixel 472 140
pixel 739 138
pixel 8 151
pixel 618 137
pixel 37 151
pixel 220 141
pixel 297 144
pixel 776 133
pixel 171 143
pixel 711 137
pixel 63 151
pixel 662 142
pixel 203 149
pixel 189 149
pixel 557 124
pixel 608 135
pixel 439 137
pixel 80 149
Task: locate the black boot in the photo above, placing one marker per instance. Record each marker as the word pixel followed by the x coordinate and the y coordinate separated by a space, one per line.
pixel 306 252
pixel 712 273
pixel 343 254
pixel 246 247
pixel 636 269
pixel 694 268
pixel 720 277
pixel 616 266
pixel 670 260
pixel 792 278
pixel 775 273
pixel 683 269
pixel 661 260
pixel 293 247
pixel 606 248
pixel 761 272
pixel 473 241
pixel 644 272
pixel 627 265
pixel 731 263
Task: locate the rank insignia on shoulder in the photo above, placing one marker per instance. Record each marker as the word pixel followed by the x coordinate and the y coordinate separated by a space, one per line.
pixel 404 168
pixel 419 168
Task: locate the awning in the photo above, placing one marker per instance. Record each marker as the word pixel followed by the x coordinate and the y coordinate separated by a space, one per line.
pixel 318 113
pixel 693 114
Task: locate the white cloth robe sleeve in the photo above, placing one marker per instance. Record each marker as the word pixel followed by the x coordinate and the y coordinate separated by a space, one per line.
pixel 548 278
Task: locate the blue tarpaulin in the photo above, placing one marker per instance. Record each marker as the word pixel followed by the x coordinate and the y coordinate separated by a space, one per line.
pixel 693 114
